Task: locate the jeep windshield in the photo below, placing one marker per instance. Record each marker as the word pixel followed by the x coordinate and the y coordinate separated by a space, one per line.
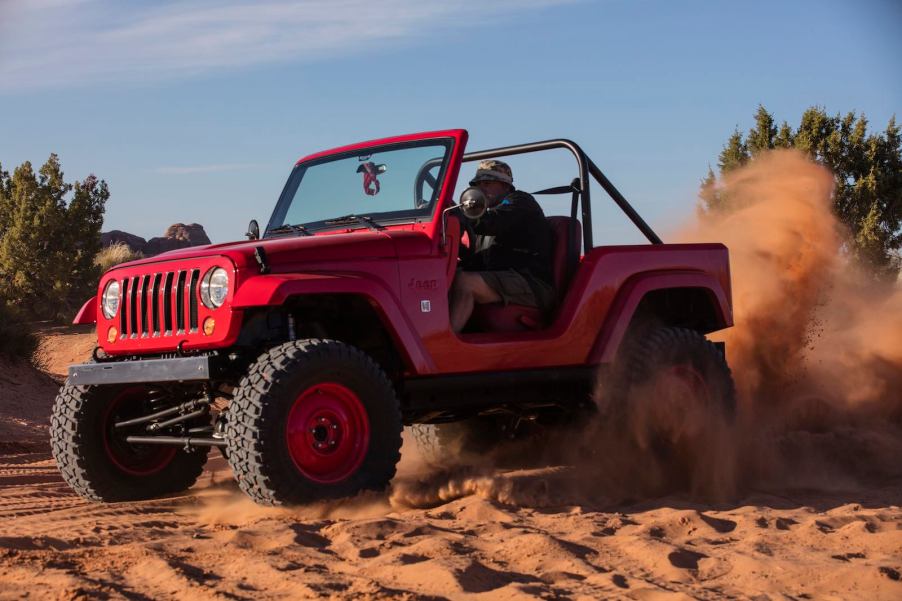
pixel 397 183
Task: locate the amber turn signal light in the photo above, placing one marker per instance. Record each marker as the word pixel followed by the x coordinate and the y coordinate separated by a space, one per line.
pixel 209 326
pixel 111 335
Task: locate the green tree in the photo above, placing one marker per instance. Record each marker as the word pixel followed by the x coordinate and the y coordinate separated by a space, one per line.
pixel 5 201
pixel 867 169
pixel 47 246
pixel 784 136
pixel 762 136
pixel 82 243
pixel 735 153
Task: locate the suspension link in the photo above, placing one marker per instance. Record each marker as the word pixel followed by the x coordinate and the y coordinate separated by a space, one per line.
pixel 186 406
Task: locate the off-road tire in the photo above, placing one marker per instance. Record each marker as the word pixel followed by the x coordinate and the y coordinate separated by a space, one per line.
pixel 481 439
pixel 78 446
pixel 661 347
pixel 698 457
pixel 258 445
pixel 456 442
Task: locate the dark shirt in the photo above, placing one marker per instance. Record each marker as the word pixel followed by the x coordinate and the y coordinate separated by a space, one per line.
pixel 522 238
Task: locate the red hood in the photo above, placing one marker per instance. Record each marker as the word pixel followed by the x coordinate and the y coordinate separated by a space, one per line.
pixel 282 253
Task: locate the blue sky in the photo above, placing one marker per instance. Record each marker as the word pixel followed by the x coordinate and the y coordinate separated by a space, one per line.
pixel 195 112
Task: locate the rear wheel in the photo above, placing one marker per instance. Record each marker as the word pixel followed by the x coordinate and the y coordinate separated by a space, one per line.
pixel 672 400
pixel 94 457
pixel 313 419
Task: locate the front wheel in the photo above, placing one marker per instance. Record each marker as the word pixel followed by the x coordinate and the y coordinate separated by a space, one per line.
pixel 94 457
pixel 313 419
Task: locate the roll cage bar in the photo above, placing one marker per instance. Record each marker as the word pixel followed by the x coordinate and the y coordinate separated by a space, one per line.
pixel 579 186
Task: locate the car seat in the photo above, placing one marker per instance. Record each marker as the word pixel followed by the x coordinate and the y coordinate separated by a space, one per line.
pixel 498 317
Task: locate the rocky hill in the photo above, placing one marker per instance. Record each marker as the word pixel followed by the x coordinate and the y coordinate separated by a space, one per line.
pixel 176 236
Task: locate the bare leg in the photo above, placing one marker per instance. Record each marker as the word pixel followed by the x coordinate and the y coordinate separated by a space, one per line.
pixel 468 289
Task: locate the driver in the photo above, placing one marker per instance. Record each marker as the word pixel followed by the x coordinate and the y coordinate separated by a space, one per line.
pixel 512 259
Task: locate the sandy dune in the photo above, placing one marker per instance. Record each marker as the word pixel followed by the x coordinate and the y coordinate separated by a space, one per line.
pixel 214 543
pixel 498 535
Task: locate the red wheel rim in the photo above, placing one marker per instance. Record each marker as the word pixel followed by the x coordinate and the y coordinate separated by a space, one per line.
pixel 678 410
pixel 685 379
pixel 135 460
pixel 328 432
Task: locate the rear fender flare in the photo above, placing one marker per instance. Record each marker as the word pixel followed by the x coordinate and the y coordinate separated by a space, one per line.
pixel 275 290
pixel 624 306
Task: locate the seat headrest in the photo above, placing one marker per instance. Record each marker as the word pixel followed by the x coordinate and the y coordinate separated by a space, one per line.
pixel 568 239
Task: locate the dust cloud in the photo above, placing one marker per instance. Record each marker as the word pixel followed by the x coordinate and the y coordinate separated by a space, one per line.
pixel 816 351
pixel 816 354
pixel 806 317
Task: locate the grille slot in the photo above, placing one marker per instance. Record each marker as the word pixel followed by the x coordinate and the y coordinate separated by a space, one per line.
pixel 145 284
pixel 155 303
pixel 123 310
pixel 192 300
pixel 167 305
pixel 133 308
pixel 180 302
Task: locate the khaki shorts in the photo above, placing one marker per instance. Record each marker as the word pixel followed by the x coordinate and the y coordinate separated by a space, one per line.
pixel 514 289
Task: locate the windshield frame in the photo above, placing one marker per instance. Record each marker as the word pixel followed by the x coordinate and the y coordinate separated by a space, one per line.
pixel 401 216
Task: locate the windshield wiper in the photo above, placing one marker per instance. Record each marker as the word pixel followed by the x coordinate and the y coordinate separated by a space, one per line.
pixel 290 228
pixel 352 218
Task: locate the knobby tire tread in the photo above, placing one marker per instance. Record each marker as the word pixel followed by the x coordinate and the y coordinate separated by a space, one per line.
pixel 254 417
pixel 72 436
pixel 643 356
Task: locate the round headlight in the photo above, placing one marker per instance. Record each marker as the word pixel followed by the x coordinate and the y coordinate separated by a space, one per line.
pixel 110 300
pixel 214 287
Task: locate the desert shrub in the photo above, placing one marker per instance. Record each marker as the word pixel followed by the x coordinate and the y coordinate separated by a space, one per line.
pixel 115 254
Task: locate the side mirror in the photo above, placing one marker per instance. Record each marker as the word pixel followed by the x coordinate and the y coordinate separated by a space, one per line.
pixel 472 203
pixel 253 230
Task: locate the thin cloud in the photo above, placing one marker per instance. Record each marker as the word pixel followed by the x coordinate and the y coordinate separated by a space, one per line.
pixel 216 168
pixel 64 43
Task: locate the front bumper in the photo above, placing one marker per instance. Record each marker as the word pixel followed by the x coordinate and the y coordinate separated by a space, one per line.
pixel 181 369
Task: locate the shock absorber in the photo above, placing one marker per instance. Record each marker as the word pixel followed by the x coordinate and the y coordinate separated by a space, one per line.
pixel 157 399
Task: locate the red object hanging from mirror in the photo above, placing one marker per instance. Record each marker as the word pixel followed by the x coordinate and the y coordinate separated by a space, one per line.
pixel 371 173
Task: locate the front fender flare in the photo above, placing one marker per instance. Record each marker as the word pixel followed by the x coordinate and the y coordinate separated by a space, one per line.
pixel 275 290
pixel 630 295
pixel 88 312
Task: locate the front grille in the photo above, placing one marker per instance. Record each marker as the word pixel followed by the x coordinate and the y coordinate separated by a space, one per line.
pixel 159 304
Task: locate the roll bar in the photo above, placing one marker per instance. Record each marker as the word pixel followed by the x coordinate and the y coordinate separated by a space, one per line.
pixel 586 168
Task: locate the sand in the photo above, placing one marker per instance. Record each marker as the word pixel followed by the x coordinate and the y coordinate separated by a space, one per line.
pixel 506 535
pixel 214 543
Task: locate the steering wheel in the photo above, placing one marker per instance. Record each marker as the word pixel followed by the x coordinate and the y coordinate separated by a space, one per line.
pixel 426 184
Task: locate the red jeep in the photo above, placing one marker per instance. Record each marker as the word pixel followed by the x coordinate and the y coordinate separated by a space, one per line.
pixel 303 352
